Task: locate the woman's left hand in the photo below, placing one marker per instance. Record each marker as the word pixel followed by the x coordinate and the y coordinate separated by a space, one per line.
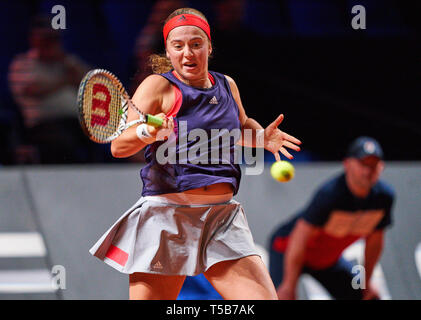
pixel 277 140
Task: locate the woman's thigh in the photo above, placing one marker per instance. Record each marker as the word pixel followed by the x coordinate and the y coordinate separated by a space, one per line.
pixel 148 286
pixel 242 279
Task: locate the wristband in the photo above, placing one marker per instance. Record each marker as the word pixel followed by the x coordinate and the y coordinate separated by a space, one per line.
pixel 143 133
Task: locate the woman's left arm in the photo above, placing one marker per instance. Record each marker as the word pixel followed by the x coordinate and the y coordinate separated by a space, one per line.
pixel 253 134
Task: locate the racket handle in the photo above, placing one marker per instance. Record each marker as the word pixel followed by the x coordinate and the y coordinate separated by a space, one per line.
pixel 154 121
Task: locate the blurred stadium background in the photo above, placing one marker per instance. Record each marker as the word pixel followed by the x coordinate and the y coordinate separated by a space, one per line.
pixel 297 57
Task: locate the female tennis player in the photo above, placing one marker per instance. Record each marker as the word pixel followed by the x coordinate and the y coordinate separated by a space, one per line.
pixel 186 221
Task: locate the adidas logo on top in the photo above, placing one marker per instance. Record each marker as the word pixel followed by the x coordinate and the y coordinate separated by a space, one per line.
pixel 213 100
pixel 158 265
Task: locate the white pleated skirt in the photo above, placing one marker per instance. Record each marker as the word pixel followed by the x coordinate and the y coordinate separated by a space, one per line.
pixel 164 235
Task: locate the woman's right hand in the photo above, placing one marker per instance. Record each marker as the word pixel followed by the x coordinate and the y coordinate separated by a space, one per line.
pixel 164 131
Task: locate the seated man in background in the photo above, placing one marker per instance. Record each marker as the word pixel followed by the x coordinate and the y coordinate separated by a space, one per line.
pixel 353 205
pixel 44 83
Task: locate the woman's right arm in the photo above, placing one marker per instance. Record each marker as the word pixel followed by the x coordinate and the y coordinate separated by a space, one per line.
pixel 153 96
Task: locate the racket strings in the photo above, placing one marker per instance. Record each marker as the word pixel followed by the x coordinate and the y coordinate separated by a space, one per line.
pixel 102 107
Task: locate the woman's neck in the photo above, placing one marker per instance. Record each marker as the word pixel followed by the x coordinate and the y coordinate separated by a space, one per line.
pixel 203 82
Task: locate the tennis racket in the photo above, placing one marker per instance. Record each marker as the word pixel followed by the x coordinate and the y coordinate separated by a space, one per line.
pixel 103 105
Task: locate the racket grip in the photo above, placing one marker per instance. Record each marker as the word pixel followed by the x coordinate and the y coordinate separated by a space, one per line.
pixel 154 121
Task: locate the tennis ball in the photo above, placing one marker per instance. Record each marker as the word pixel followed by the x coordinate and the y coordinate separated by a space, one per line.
pixel 282 171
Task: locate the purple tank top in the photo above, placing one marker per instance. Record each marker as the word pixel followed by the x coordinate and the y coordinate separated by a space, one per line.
pixel 201 152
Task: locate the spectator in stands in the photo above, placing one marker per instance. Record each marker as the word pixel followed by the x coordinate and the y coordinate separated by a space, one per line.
pixel 44 82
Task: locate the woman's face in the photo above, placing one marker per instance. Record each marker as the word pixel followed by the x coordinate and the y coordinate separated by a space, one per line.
pixel 189 48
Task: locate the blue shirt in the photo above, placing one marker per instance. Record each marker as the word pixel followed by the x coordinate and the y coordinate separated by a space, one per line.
pixel 342 217
pixel 197 162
